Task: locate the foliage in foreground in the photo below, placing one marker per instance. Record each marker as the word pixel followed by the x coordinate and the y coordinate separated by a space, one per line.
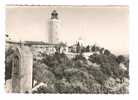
pixel 101 73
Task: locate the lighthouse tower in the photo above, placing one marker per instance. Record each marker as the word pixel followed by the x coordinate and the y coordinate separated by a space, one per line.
pixel 54 28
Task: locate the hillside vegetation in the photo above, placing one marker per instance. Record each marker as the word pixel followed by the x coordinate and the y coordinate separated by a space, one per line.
pixel 101 73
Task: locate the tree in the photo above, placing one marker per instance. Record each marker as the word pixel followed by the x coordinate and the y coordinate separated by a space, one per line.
pixel 107 52
pixel 101 50
pixel 97 58
pixel 92 58
pixel 79 57
pixel 120 59
pixel 107 69
pixel 88 48
pixel 58 71
pixel 42 74
pixel 99 76
pixel 78 48
pixel 93 48
pixel 83 49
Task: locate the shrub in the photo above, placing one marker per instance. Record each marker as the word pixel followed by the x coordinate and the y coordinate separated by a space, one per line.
pixel 59 86
pixel 120 59
pixel 88 48
pixel 42 74
pixel 58 71
pixel 98 59
pixel 79 57
pixel 93 58
pixel 43 89
pixel 107 69
pixel 95 48
pixel 76 75
pixel 101 50
pixel 101 58
pixel 107 52
pixel 98 75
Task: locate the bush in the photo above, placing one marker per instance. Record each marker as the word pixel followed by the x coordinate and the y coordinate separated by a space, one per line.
pixel 43 89
pixel 42 74
pixel 98 75
pixel 76 75
pixel 120 59
pixel 94 58
pixel 107 52
pixel 101 50
pixel 101 58
pixel 58 71
pixel 79 57
pixel 60 87
pixel 98 59
pixel 107 69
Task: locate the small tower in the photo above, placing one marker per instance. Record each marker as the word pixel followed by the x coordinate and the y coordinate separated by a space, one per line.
pixel 54 28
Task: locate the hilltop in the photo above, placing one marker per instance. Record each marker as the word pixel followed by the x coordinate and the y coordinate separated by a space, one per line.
pixel 89 69
pixel 99 72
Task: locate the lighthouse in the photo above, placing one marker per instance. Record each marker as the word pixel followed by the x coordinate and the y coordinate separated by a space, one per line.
pixel 54 28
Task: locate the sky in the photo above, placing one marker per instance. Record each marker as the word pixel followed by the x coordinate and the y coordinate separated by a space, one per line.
pixel 105 26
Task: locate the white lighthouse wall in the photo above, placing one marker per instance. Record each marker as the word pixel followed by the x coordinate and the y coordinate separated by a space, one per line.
pixel 54 31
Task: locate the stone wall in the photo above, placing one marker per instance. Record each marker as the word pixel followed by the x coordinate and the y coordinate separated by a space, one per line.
pixel 21 79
